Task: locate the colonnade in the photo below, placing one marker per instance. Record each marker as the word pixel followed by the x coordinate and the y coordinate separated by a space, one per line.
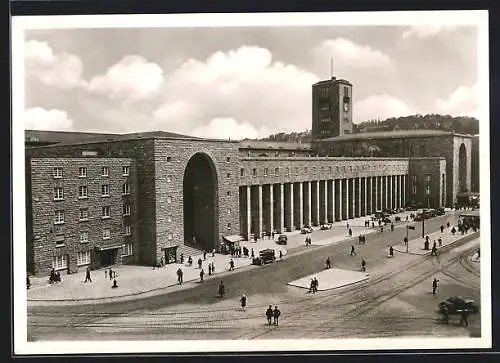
pixel 283 207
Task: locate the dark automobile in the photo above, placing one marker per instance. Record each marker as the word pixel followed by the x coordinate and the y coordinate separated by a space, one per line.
pixel 265 256
pixel 440 212
pixel 431 213
pixel 418 217
pixel 325 227
pixel 282 239
pixel 457 304
pixel 306 230
pixel 386 220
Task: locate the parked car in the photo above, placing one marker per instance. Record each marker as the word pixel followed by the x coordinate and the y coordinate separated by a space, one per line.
pixel 440 212
pixel 282 239
pixel 386 220
pixel 265 256
pixel 305 230
pixel 326 226
pixel 457 304
pixel 418 217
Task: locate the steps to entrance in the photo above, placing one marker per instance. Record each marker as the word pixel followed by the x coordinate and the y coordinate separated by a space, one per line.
pixel 189 250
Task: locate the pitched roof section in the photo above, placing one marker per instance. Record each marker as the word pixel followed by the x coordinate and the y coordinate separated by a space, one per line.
pixel 273 145
pixel 391 135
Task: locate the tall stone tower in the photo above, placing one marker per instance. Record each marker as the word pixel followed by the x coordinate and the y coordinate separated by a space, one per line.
pixel 331 108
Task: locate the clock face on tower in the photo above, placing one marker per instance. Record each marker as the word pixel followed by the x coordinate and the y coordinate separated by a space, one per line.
pixel 346 106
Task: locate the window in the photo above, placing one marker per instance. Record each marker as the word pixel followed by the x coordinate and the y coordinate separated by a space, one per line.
pixel 58 173
pixel 169 178
pixel 229 226
pixel 105 171
pixel 330 169
pixel 169 158
pixel 228 175
pixel 84 214
pixel 414 189
pixel 228 159
pixel 169 199
pixel 83 258
pixel 265 171
pixel 104 190
pixel 287 171
pixel 58 193
pixel 82 191
pixel 59 240
pixel 126 170
pixel 422 150
pixel 276 171
pixel 427 189
pixel 82 172
pixel 428 178
pixel 296 171
pixel 59 262
pixel 84 237
pixel 254 171
pixel 106 233
pixel 314 170
pixel 126 209
pixel 414 178
pixel 169 219
pixel 125 189
pixel 346 91
pixel 170 236
pixel 127 249
pixel 229 211
pixel 242 172
pixel 228 194
pixel 59 217
pixel 128 230
pixel 305 169
pixel 106 211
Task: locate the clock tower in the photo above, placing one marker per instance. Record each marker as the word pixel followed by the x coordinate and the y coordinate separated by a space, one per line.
pixel 331 108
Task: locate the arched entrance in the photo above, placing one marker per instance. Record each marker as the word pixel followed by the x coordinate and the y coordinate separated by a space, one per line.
pixel 462 168
pixel 201 212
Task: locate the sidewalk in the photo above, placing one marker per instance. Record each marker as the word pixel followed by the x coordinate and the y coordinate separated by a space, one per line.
pixel 136 280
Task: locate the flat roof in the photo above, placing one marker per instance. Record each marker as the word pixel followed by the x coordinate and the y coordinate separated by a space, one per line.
pixel 274 145
pixel 393 135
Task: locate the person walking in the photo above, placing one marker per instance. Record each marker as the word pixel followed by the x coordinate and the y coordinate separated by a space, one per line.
pixel 350 232
pixel 105 274
pixel 434 285
pixel 269 314
pixel 252 254
pixel 110 274
pixel 222 289
pixel 190 261
pixel 276 315
pixel 162 263
pixel 392 227
pixel 316 285
pixel 363 265
pixel 391 251
pixel 328 263
pixel 115 285
pixel 434 251
pixel 209 269
pixel 441 228
pixel 202 273
pixel 464 317
pixel 231 265
pixel 179 276
pixel 281 255
pixel 353 252
pixel 204 255
pixel 311 286
pixel 87 275
pixel 213 268
pixel 405 240
pixel 199 263
pixel 243 302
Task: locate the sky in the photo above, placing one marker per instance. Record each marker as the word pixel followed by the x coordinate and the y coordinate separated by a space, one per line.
pixel 241 82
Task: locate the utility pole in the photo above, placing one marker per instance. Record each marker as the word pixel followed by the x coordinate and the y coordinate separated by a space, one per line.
pixel 423 219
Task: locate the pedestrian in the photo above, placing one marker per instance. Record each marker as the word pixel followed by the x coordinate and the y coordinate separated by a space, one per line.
pixel 179 275
pixel 87 275
pixel 464 315
pixel 162 263
pixel 316 285
pixel 190 261
pixel 213 268
pixel 306 241
pixel 434 245
pixel 311 286
pixel 243 302
pixel 213 252
pixel 222 289
pixel 115 285
pixel 391 251
pixel 440 242
pixel 441 228
pixel 347 225
pixel 105 274
pixel 405 240
pixel 204 255
pixel 209 269
pixel 269 314
pixel 373 224
pixel 434 251
pixel 276 315
pixel 448 224
pixel 199 263
pixel 28 282
pixel 281 254
pixel 353 252
pixel 202 273
pixel 252 254
pixel 434 285
pixel 328 263
pixel 392 227
pixel 350 232
pixel 110 274
pixel 363 265
pixel 182 257
pixel 231 265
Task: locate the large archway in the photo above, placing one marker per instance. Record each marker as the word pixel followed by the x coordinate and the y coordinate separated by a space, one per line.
pixel 462 169
pixel 200 202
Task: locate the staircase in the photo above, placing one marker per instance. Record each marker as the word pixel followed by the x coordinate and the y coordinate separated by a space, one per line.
pixel 189 250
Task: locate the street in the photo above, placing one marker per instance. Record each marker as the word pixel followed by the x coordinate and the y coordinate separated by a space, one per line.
pixel 395 301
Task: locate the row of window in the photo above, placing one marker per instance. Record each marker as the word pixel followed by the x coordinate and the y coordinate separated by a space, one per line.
pixel 59 217
pixel 428 178
pixel 427 189
pixel 326 119
pixel 83 191
pixel 83 258
pixel 338 169
pixel 84 236
pixel 82 171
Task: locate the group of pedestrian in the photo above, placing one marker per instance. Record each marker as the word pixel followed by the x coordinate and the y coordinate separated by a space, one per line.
pixel 270 314
pixel 362 239
pixel 308 241
pixel 313 287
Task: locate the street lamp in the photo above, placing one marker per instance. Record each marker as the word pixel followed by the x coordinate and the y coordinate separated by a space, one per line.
pixel 423 219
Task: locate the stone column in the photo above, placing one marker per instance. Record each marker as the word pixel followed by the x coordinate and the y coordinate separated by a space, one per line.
pixel 292 208
pixel 333 201
pixel 325 201
pixel 271 208
pixel 400 205
pixel 404 190
pixel 376 194
pixel 282 208
pixel 359 198
pixel 309 203
pixel 366 197
pixel 316 207
pixel 386 188
pixel 341 200
pixel 391 189
pixel 347 199
pixel 301 206
pixel 260 210
pixel 249 212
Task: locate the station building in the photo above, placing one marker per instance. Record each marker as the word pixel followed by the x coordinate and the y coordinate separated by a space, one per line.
pixel 94 200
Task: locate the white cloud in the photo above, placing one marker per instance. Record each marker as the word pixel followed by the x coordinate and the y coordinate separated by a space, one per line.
pixel 133 77
pixel 461 102
pixel 427 31
pixel 348 54
pixel 225 128
pixel 62 70
pixel 38 118
pixel 380 106
pixel 242 84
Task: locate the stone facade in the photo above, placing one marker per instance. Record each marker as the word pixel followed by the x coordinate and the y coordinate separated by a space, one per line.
pixel 427 178
pixel 475 164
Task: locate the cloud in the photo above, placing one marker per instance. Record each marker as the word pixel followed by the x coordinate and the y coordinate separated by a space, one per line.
pixel 348 54
pixel 38 118
pixel 427 31
pixel 133 77
pixel 61 70
pixel 241 84
pixel 225 128
pixel 463 101
pixel 380 106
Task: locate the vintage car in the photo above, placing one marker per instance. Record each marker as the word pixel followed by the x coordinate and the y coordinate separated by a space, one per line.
pixel 265 256
pixel 326 226
pixel 282 239
pixel 456 305
pixel 440 212
pixel 306 230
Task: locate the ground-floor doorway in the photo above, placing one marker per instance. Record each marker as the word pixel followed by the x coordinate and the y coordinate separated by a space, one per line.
pixel 108 257
pixel 170 254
